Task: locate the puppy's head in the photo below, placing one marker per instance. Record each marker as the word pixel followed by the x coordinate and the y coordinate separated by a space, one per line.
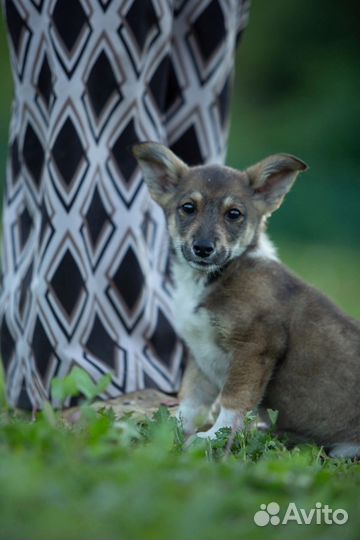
pixel 214 213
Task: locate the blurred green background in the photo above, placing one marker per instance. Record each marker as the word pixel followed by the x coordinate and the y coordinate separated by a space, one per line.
pixel 296 91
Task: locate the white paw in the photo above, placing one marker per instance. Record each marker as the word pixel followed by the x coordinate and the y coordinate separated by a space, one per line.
pixel 345 450
pixel 190 417
pixel 187 423
pixel 209 434
pixel 227 418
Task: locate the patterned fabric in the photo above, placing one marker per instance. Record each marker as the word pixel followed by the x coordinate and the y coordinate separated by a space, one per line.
pixel 85 252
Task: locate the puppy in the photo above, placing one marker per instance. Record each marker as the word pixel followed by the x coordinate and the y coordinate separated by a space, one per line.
pixel 258 335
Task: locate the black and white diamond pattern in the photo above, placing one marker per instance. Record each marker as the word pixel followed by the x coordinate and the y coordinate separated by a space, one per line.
pixel 163 339
pixel 21 232
pixel 33 154
pixel 127 285
pixel 205 38
pixel 47 229
pixel 220 108
pixel 121 165
pixel 149 228
pixel 163 350
pixel 43 346
pixel 23 295
pixel 25 224
pixel 38 4
pixel 70 31
pixel 7 342
pixel 66 297
pixel 15 161
pixel 86 270
pixel 189 139
pixel 98 226
pixel 101 100
pixel 167 99
pixel 20 34
pixel 68 162
pixel 102 343
pixel 44 80
pixel 139 28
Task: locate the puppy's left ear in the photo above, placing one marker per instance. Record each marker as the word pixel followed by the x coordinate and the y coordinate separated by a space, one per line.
pixel 161 168
pixel 272 178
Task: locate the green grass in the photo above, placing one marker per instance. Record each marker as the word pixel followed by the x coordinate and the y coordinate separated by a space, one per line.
pixel 108 479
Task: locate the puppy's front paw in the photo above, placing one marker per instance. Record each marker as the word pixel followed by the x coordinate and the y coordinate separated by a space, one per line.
pixel 190 416
pixel 209 434
pixel 187 423
pixel 227 418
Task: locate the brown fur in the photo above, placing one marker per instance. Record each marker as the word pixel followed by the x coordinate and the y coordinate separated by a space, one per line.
pixel 290 348
pixel 294 351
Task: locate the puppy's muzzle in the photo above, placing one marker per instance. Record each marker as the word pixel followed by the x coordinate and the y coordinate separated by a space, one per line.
pixel 203 248
pixel 205 254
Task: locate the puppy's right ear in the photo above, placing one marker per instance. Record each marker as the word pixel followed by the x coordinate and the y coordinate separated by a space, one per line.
pixel 161 168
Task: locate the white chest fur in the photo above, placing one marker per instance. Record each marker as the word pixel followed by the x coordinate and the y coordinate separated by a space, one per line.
pixel 193 323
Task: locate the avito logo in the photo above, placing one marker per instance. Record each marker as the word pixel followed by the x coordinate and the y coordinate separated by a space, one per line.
pixel 269 514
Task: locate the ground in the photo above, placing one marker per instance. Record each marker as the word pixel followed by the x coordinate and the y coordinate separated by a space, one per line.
pixel 105 472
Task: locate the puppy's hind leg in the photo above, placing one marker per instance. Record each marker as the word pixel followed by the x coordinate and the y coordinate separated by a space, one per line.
pixel 345 450
pixel 197 394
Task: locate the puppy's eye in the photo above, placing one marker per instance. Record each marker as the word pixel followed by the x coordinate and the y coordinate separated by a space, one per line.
pixel 234 214
pixel 188 208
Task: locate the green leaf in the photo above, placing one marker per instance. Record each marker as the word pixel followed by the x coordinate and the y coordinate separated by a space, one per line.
pixel 273 415
pixel 103 384
pixel 61 388
pixel 84 383
pixel 49 414
pixel 78 382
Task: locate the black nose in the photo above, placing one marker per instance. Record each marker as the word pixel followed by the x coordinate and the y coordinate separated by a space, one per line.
pixel 203 248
